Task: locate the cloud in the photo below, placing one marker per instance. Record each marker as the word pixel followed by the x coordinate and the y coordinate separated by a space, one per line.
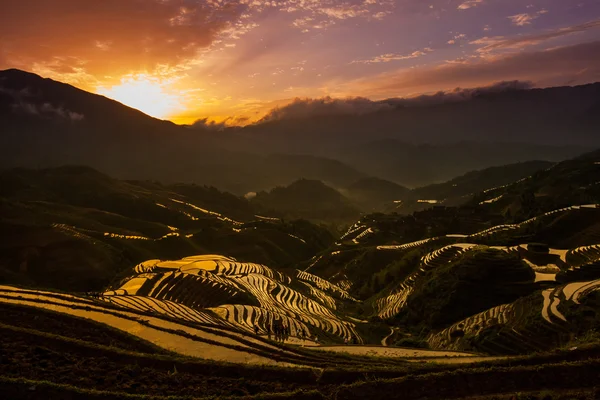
pixel 394 57
pixel 110 37
pixel 304 108
pixel 501 43
pixel 457 37
pixel 23 102
pixel 525 19
pixel 460 94
pixel 46 110
pixel 469 4
pixel 575 64
pixel 207 124
pixel 322 14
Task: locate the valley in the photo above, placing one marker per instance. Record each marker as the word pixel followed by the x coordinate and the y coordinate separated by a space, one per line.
pixel 454 289
pixel 140 259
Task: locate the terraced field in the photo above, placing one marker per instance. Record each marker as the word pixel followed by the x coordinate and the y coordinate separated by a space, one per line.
pixel 509 328
pixel 557 260
pixel 575 260
pixel 62 356
pixel 514 227
pixel 218 290
pixel 392 304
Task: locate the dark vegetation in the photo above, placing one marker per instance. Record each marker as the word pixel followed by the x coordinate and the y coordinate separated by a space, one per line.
pixel 447 294
pixel 308 199
pixel 374 194
pixel 567 183
pixel 460 189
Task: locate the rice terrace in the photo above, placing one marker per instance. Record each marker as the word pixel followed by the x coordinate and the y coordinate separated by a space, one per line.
pixel 470 305
pixel 314 200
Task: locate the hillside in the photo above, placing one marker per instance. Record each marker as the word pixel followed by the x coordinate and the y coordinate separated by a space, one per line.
pixel 422 162
pixel 477 181
pixel 308 199
pixel 119 365
pixel 568 182
pixel 74 228
pixel 460 190
pixel 374 194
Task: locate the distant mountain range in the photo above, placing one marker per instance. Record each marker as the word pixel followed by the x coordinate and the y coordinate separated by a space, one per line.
pixel 45 123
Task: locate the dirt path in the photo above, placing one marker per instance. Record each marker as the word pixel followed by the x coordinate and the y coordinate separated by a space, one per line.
pixel 384 340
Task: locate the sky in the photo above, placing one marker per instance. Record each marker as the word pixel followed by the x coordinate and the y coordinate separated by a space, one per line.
pixel 233 61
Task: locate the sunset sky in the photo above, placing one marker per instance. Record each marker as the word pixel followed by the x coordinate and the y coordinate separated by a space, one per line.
pixel 185 60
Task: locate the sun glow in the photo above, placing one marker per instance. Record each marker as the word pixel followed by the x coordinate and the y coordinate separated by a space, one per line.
pixel 146 94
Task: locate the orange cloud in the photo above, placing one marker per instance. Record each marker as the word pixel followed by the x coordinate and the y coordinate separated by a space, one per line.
pixel 108 38
pixel 394 57
pixel 502 43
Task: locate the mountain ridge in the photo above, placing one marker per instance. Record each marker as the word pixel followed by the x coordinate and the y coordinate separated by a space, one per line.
pixel 43 127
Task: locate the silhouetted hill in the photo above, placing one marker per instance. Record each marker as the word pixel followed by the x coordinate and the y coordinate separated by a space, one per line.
pixel 27 95
pixel 417 165
pixel 309 199
pixel 374 194
pixel 544 116
pixel 573 181
pixel 476 181
pixel 415 145
pixel 45 123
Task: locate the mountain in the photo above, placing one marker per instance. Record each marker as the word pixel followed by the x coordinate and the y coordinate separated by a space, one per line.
pixel 461 189
pixel 553 116
pixel 308 199
pixel 569 182
pixel 477 181
pixel 419 143
pixel 45 123
pixel 374 194
pixel 417 165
